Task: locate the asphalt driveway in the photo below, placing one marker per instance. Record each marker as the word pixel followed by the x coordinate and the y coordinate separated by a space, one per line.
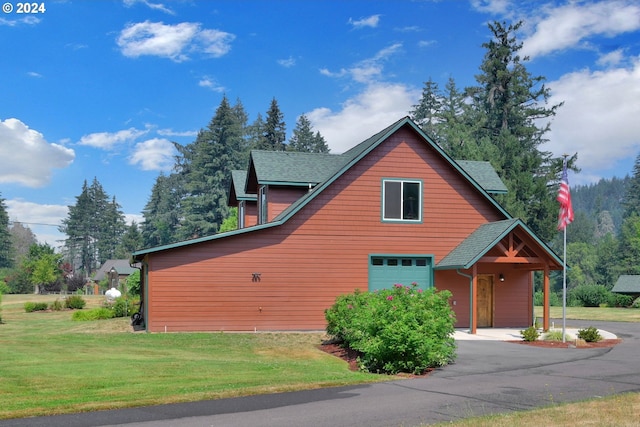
pixel 488 377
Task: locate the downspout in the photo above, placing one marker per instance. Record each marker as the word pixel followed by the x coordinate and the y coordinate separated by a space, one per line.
pixel 470 277
pixel 142 309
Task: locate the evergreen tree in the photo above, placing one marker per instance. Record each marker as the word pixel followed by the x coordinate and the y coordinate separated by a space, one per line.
pixel 6 248
pixel 93 227
pixel 275 132
pixel 509 103
pixel 631 202
pixel 21 240
pixel 428 110
pixel 206 170
pixel 161 213
pixel 255 134
pixel 303 138
pixel 130 242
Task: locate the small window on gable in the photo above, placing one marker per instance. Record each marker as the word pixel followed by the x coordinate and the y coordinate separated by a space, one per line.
pixel 401 200
pixel 262 205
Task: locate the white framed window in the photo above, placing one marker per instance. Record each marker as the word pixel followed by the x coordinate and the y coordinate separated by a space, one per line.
pixel 401 200
pixel 241 214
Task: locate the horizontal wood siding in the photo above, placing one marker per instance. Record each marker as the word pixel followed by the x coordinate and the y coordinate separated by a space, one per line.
pixel 319 253
pixel 280 198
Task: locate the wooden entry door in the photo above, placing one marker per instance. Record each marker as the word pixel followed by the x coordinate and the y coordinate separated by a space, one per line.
pixel 484 301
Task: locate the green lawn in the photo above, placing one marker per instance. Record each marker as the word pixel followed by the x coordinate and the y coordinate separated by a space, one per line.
pixel 50 364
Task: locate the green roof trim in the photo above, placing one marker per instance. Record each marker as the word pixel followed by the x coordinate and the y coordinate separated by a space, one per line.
pixel 485 237
pixel 627 284
pixel 485 175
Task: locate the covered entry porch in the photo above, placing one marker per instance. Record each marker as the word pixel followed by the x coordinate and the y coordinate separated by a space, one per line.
pixel 498 260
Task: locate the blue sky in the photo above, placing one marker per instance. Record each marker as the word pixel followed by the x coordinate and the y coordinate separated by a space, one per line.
pixel 100 88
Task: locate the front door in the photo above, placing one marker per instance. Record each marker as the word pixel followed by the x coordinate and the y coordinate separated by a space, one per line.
pixel 484 301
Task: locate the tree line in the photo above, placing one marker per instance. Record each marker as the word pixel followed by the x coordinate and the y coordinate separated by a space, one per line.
pixel 503 119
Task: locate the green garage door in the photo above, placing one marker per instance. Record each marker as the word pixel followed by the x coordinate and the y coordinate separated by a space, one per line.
pixel 387 270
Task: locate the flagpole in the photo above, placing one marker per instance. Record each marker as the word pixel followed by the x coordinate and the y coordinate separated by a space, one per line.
pixel 564 287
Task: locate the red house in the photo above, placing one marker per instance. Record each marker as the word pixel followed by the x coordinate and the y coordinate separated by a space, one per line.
pixel 393 209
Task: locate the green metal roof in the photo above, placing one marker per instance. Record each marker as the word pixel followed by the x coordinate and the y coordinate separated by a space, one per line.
pixel 484 174
pixel 627 284
pixel 485 237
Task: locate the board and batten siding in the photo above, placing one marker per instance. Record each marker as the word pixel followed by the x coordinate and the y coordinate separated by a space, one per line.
pixel 284 277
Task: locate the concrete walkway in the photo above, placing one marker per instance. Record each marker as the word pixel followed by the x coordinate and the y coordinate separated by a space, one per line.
pixel 513 334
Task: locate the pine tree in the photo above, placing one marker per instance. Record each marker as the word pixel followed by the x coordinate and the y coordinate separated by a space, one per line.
pixel 93 226
pixel 161 213
pixel 509 103
pixel 426 113
pixel 303 138
pixel 275 132
pixel 6 248
pixel 206 170
pixel 130 242
pixel 631 202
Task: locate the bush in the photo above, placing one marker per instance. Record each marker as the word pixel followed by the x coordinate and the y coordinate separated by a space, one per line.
pixel 554 299
pixel 133 283
pixel 30 307
pixel 56 305
pixel 589 295
pixel 619 300
pixel 402 329
pixel 555 335
pixel 123 306
pixel 530 334
pixel 589 334
pixel 93 314
pixel 636 303
pixel 75 302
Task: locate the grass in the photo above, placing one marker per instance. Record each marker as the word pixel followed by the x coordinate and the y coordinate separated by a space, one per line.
pixel 614 411
pixel 608 314
pixel 50 364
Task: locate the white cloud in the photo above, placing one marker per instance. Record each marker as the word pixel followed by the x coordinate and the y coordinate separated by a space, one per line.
pixel 367 70
pixel 26 157
pixel 42 219
pixel 498 7
pixel 108 140
pixel 171 132
pixel 612 58
pixel 154 154
pixel 599 118
pixel 26 20
pixel 172 41
pixel 34 74
pixel 210 83
pixel 155 6
pixel 572 24
pixel 287 63
pixel 363 115
pixel 371 21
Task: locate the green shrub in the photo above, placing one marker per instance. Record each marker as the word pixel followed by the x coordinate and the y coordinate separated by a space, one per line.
pixel 93 314
pixel 30 307
pixel 75 302
pixel 554 299
pixel 589 334
pixel 636 303
pixel 589 295
pixel 56 305
pixel 530 334
pixel 124 306
pixel 555 335
pixel 619 300
pixel 133 283
pixel 402 329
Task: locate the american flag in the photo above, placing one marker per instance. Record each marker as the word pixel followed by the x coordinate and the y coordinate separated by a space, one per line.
pixel 564 197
